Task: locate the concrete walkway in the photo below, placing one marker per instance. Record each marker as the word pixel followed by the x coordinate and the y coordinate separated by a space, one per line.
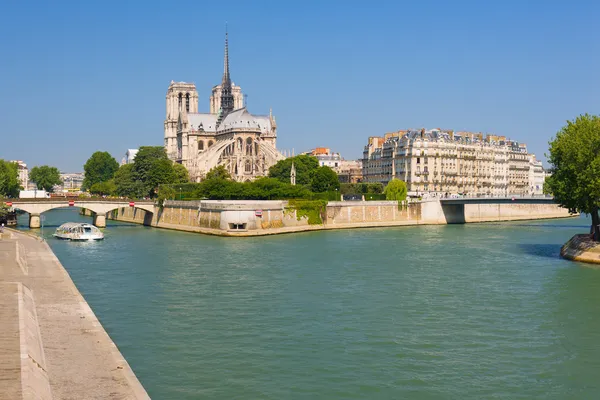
pixel 52 346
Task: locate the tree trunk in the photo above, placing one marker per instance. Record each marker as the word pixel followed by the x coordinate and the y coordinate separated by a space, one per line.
pixel 596 225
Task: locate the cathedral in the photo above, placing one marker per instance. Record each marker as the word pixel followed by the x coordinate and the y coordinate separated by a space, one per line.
pixel 228 135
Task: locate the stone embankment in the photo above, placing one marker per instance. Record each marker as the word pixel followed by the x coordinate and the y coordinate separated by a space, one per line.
pixel 582 248
pixel 257 218
pixel 52 346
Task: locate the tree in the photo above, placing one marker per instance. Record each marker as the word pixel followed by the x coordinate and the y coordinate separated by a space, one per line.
pixel 45 177
pixel 218 172
pixel 145 159
pixel 126 185
pixel 100 167
pixel 161 171
pixel 575 160
pixel 181 173
pixel 305 167
pixel 151 167
pixel 9 179
pixel 104 188
pixel 395 190
pixel 324 179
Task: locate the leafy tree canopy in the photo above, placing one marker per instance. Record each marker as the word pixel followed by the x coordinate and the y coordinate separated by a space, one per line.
pixel 9 179
pixel 104 188
pixel 125 184
pixel 218 172
pixel 151 168
pixel 324 179
pixel 100 167
pixel 575 159
pixel 395 190
pixel 361 188
pixel 305 167
pixel 181 173
pixel 145 159
pixel 45 177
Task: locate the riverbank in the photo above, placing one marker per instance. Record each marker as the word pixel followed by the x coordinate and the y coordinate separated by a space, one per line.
pixel 51 343
pixel 260 218
pixel 582 248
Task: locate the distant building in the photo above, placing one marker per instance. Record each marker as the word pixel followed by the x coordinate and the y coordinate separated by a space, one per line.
pixel 129 156
pixel 326 157
pixel 349 171
pixel 537 176
pixel 23 173
pixel 71 182
pixel 443 161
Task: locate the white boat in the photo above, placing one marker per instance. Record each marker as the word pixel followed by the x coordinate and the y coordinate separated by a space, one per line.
pixel 78 231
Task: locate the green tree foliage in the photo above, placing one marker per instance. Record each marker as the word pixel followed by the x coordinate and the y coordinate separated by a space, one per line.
pixel 4 211
pixel 260 189
pixel 395 190
pixel 181 173
pixel 100 167
pixel 305 167
pixel 104 188
pixel 145 159
pixel 125 183
pixel 575 160
pixel 45 177
pixel 218 172
pixel 324 179
pixel 151 168
pixel 361 188
pixel 9 179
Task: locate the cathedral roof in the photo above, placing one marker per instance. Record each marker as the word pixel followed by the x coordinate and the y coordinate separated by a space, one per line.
pixel 208 121
pixel 239 118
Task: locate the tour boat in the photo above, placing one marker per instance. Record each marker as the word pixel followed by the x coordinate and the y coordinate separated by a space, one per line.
pixel 78 231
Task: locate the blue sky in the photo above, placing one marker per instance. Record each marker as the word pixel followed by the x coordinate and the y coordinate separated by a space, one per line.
pixel 81 76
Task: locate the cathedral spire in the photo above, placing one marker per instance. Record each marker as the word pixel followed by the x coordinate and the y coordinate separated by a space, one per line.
pixel 226 77
pixel 226 92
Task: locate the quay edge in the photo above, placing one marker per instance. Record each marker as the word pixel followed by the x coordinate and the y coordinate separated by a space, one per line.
pixel 62 351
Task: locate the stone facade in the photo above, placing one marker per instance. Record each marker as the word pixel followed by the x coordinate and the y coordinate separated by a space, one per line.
pixel 261 217
pixel 228 135
pixel 448 162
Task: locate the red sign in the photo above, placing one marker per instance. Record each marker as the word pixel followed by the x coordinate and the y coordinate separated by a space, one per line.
pixel 258 213
pixel 9 203
pixel 132 204
pixel 71 203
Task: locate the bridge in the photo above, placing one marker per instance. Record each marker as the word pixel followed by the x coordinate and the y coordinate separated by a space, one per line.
pixel 481 209
pixel 99 207
pixel 497 200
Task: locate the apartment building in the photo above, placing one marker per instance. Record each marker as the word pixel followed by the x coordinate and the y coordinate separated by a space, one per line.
pixel 447 162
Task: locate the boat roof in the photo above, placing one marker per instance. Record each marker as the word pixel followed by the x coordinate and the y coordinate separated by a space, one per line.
pixel 74 224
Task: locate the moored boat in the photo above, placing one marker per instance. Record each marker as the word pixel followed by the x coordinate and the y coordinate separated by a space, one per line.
pixel 78 231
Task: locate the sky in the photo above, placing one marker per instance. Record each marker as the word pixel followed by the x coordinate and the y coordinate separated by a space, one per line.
pixel 81 76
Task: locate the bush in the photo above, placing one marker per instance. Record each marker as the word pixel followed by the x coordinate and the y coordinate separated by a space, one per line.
pixel 311 209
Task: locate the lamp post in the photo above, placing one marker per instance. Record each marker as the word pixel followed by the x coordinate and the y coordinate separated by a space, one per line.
pixel 180 193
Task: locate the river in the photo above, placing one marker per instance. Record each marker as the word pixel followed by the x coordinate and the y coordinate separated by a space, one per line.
pixel 430 312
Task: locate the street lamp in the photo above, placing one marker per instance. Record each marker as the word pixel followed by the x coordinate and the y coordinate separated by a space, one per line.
pixel 180 193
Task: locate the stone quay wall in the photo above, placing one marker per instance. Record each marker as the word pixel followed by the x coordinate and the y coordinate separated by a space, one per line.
pixel 257 217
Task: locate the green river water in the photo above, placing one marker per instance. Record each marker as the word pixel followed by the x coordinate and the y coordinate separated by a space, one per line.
pixel 475 311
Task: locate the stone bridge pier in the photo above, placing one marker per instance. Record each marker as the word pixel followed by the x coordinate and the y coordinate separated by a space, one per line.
pixel 99 220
